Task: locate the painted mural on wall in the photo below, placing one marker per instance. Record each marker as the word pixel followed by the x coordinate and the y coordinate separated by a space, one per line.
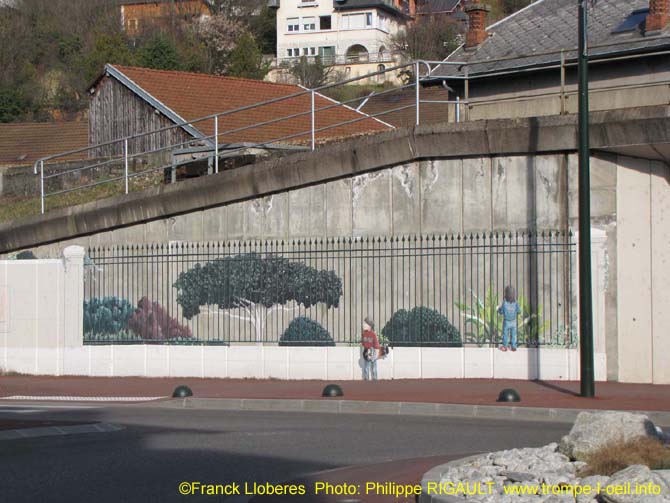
pixel 421 326
pixel 257 286
pixel 426 291
pixel 110 319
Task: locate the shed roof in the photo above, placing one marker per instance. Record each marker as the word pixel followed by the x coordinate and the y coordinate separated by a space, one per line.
pixel 184 96
pixel 438 6
pixel 534 36
pixel 23 143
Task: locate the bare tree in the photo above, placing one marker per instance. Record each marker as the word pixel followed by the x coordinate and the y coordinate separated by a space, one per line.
pixel 430 38
pixel 219 34
pixel 313 73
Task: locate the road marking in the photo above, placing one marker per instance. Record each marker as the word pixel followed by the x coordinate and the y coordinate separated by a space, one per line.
pixel 48 431
pixel 19 411
pixel 84 398
pixel 37 409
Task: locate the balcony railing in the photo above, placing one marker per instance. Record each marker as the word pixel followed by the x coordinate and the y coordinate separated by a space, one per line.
pixel 339 59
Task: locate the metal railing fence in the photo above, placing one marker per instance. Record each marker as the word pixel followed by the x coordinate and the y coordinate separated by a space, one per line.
pixel 439 290
pixel 338 59
pixel 310 124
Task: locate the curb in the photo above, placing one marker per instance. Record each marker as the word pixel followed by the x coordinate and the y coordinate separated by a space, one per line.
pixel 51 431
pixel 394 408
pixel 66 398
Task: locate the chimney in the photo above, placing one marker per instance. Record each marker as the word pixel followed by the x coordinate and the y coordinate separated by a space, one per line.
pixel 659 15
pixel 476 12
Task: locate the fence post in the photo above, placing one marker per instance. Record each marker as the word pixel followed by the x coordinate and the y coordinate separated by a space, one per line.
pixel 416 83
pixel 313 122
pixel 73 307
pixel 42 185
pixel 458 109
pixel 216 144
pixel 562 82
pixel 466 92
pixel 125 161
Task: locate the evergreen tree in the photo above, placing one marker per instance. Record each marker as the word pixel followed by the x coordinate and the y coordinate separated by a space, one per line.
pixel 160 53
pixel 106 49
pixel 246 60
pixel 13 104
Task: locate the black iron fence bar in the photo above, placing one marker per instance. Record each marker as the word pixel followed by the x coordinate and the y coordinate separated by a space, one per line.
pixel 478 250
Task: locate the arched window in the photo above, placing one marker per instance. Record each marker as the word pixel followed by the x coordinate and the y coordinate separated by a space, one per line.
pixel 357 54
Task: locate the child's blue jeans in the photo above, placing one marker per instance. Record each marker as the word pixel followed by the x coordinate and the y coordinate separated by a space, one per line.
pixel 509 330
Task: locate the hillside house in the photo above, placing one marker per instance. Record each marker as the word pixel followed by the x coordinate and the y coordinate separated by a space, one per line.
pixel 353 35
pixel 140 15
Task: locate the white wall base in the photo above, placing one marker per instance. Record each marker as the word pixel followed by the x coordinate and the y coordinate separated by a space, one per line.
pixel 331 363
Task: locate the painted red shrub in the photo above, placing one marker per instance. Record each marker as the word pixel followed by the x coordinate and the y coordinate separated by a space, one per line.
pixel 152 322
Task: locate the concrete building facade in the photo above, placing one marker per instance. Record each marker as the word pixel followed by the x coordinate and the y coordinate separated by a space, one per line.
pixel 353 35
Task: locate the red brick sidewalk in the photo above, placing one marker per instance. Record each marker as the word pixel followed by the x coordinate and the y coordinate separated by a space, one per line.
pixel 456 391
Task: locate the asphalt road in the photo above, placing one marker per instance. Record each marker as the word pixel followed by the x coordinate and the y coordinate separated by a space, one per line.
pixel 162 447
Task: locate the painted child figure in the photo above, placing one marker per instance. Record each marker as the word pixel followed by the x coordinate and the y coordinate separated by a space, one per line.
pixel 370 344
pixel 510 310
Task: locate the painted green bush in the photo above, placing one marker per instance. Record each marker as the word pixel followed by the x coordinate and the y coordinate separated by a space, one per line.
pixel 421 326
pixel 106 316
pixel 303 331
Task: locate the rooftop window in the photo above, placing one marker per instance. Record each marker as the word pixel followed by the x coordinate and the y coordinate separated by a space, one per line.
pixel 632 22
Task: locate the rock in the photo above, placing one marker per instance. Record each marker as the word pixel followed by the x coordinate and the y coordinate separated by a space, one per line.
pixel 518 476
pixel 555 498
pixel 578 465
pixel 557 478
pixel 592 430
pixel 636 484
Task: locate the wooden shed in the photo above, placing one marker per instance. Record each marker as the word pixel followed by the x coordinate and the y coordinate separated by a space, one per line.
pixel 127 101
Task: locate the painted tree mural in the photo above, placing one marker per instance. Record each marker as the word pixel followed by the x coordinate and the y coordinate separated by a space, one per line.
pixel 257 285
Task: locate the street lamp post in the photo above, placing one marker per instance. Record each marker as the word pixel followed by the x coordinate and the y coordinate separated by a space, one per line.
pixel 585 291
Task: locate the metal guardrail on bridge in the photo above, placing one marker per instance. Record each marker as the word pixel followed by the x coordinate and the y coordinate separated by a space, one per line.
pixel 128 165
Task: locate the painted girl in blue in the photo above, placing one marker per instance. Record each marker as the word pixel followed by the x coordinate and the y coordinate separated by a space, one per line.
pixel 510 310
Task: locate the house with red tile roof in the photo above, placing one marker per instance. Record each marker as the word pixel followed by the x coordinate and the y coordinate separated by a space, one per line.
pixel 23 143
pixel 140 15
pixel 126 101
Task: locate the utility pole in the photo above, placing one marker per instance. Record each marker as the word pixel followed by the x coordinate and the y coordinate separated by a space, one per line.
pixel 585 281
